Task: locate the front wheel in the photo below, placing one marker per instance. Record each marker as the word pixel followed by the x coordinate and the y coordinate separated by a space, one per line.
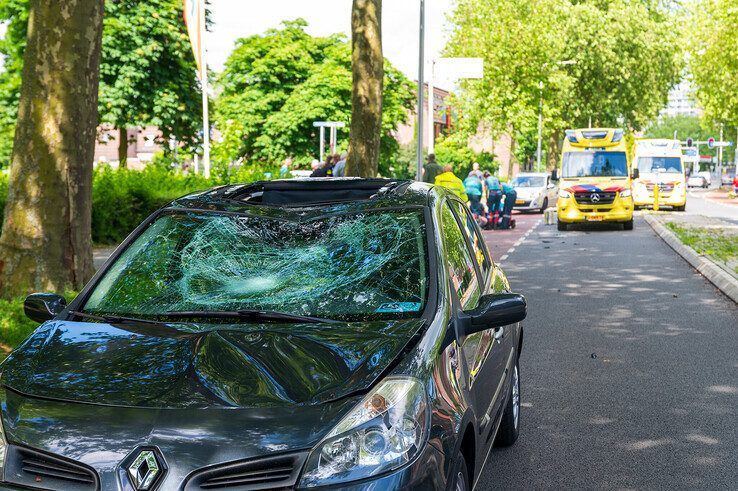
pixel 510 425
pixel 544 206
pixel 628 225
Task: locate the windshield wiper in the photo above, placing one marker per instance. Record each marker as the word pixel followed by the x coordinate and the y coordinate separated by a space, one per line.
pixel 115 319
pixel 252 315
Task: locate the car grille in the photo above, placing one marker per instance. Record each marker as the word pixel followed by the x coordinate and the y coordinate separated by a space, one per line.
pixel 269 473
pixel 604 198
pixel 33 468
pixel 664 188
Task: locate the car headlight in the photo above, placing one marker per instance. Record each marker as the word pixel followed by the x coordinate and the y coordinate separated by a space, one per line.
pixel 625 193
pixel 384 432
pixel 564 194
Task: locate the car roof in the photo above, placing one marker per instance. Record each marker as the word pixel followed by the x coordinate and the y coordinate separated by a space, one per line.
pixel 532 174
pixel 291 195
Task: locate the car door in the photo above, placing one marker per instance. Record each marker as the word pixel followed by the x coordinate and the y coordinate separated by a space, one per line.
pixel 480 353
pixel 499 344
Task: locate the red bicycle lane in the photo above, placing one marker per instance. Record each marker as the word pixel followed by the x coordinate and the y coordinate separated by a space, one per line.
pixel 500 242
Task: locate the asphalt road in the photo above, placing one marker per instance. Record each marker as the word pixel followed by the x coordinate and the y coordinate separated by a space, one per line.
pixel 698 205
pixel 629 368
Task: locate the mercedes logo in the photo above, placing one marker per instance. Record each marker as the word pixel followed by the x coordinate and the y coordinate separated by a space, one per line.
pixel 595 198
pixel 144 471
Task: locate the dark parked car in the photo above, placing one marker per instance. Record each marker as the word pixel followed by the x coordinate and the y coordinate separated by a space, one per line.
pixel 290 334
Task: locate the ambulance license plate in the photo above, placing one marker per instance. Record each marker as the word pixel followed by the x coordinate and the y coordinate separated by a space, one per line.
pixel 595 218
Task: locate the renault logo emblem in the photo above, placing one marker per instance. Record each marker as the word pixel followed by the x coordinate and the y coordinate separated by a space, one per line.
pixel 595 198
pixel 144 471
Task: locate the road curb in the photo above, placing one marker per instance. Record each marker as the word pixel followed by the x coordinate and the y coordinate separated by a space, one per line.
pixel 714 273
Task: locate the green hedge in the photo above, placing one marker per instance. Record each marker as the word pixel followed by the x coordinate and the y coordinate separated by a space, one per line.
pixel 122 199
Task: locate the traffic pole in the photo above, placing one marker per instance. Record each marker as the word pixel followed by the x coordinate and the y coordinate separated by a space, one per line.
pixel 421 76
pixel 205 102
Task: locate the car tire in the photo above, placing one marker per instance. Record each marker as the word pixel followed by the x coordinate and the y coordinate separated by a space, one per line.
pixel 561 226
pixel 628 225
pixel 544 206
pixel 509 429
pixel 460 475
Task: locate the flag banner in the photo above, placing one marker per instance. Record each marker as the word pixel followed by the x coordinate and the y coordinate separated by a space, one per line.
pixel 194 16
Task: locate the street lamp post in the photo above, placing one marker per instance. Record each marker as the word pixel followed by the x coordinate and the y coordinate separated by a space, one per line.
pixel 421 76
pixel 540 111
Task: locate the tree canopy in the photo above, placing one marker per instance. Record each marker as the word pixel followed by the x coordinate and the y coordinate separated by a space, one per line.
pixel 147 71
pixel 613 61
pixel 276 85
pixel 714 59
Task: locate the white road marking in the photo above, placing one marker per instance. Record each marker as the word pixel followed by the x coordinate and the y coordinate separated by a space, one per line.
pixel 503 258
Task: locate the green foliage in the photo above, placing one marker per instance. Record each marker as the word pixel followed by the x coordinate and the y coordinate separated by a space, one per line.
pixel 122 199
pixel 627 55
pixel 276 85
pixel 3 192
pixel 454 150
pixel 147 70
pixel 14 325
pixel 714 58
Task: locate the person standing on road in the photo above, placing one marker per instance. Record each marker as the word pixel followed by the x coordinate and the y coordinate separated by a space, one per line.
pixel 510 196
pixel 431 170
pixel 474 189
pixel 735 184
pixel 340 169
pixel 449 180
pixel 494 192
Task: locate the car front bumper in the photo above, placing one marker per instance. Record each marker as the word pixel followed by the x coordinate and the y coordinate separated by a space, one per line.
pixel 569 211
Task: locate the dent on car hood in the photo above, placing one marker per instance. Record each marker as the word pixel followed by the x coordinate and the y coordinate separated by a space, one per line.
pixel 221 366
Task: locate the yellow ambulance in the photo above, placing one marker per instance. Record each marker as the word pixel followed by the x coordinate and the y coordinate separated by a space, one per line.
pixel 661 167
pixel 595 178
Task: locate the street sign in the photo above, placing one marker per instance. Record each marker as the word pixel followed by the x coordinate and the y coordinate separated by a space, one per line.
pixel 710 142
pixel 722 144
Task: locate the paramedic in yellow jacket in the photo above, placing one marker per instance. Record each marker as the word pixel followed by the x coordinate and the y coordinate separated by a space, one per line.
pixel 450 181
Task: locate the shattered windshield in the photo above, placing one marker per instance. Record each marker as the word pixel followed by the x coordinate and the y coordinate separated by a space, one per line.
pixel 372 265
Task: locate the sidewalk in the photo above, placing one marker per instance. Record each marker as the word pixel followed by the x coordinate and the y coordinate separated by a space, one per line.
pixel 709 244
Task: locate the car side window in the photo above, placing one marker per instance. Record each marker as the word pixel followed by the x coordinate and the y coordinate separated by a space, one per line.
pixel 472 233
pixel 459 261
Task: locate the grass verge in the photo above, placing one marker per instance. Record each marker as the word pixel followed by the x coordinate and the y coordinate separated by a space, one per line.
pixel 716 244
pixel 14 325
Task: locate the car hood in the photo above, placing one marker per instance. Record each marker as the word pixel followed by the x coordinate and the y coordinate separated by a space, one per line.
pixel 239 366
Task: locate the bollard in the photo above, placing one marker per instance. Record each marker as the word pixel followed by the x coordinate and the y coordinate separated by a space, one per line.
pixel 549 216
pixel 656 197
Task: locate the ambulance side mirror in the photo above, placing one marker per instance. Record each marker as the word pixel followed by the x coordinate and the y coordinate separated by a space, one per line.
pixel 636 174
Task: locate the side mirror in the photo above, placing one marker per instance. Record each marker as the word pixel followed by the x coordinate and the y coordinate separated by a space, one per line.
pixel 555 175
pixel 636 173
pixel 495 311
pixel 42 307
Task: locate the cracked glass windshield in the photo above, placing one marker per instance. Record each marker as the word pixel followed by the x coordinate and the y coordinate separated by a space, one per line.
pixel 352 267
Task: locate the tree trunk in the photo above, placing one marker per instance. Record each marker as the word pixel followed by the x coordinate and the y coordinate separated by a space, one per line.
pixel 122 148
pixel 368 84
pixel 552 159
pixel 46 240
